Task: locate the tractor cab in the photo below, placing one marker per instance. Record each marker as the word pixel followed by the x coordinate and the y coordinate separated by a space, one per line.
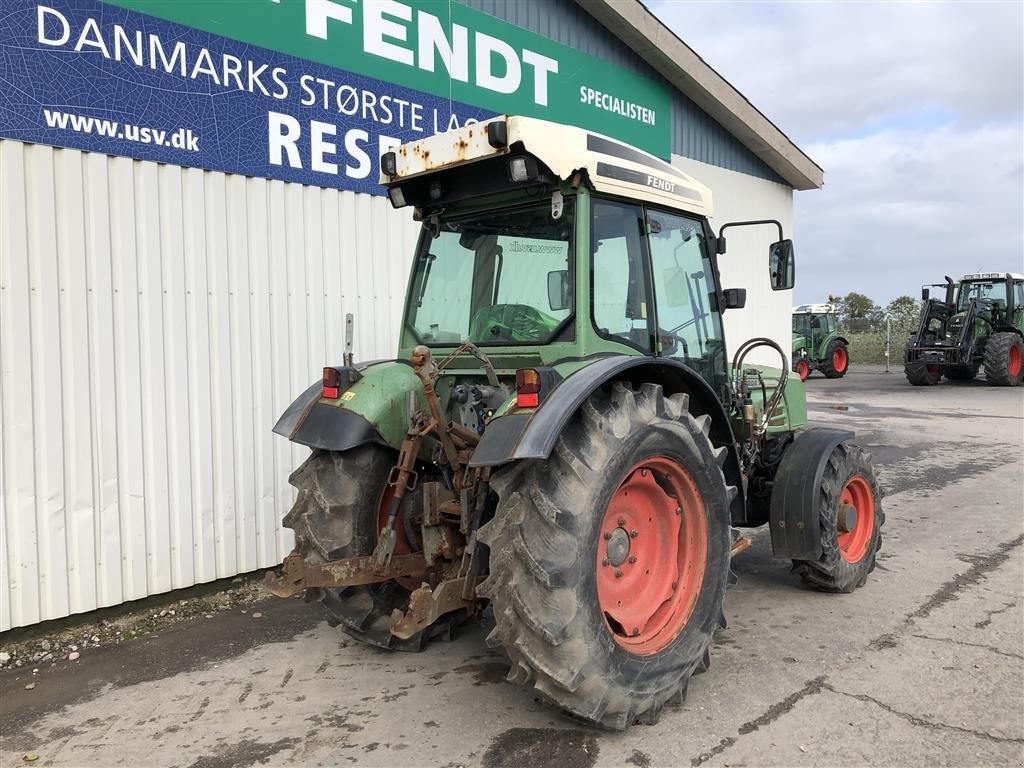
pixel 547 242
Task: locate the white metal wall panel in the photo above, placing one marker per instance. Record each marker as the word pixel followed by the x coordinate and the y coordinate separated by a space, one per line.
pixel 738 197
pixel 154 321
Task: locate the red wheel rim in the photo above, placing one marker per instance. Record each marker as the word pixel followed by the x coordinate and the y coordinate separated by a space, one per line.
pixel 839 359
pixel 934 370
pixel 1014 365
pixel 651 556
pixel 803 370
pixel 853 543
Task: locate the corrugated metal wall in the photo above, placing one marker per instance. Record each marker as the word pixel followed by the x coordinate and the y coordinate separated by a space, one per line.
pixel 695 134
pixel 154 321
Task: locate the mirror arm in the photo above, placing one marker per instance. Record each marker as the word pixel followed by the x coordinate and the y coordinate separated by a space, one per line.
pixel 751 224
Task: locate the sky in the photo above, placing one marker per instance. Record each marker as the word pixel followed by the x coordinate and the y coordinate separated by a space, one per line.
pixel 914 110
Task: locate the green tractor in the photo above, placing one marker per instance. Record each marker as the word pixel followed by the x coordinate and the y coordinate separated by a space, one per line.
pixel 817 344
pixel 979 322
pixel 564 438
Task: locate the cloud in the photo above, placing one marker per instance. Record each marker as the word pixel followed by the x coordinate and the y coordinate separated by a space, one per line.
pixel 914 110
pixel 822 69
pixel 902 208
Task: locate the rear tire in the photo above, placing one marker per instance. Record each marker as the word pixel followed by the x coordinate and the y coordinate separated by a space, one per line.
pixel 1004 359
pixel 837 360
pixel 922 375
pixel 335 516
pixel 552 581
pixel 847 556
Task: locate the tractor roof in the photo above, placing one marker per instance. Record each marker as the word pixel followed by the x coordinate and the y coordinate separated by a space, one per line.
pixel 815 309
pixel 612 166
pixel 992 276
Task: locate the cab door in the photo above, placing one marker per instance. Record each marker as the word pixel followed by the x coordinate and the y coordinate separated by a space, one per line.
pixel 686 295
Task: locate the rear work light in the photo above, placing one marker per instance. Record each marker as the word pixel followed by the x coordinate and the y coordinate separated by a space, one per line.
pixel 527 388
pixel 332 383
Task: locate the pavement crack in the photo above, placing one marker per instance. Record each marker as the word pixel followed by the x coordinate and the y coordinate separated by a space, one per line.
pixel 774 712
pixel 981 565
pixel 920 721
pixel 988 619
pixel 954 641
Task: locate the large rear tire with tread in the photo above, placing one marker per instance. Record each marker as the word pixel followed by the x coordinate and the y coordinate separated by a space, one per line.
pixel 849 546
pixel 335 515
pixel 560 571
pixel 1004 359
pixel 837 360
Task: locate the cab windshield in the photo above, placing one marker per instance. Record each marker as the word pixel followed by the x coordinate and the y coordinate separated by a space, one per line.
pixel 995 291
pixel 494 277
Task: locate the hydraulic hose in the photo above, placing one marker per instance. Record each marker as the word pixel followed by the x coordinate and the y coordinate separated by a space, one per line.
pixel 737 374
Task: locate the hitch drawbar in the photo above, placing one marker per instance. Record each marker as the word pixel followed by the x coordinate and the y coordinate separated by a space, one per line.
pixel 297 574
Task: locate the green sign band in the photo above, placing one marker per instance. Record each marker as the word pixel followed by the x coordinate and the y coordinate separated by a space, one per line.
pixel 446 49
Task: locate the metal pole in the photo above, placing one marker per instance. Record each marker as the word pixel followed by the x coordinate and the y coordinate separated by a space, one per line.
pixel 888 337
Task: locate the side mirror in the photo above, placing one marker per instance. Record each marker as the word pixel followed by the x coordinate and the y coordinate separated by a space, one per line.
pixel 558 289
pixel 734 298
pixel 781 265
pixel 925 293
pixel 720 245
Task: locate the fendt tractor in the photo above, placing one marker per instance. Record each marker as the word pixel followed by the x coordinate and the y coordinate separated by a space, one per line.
pixel 817 343
pixel 563 438
pixel 979 322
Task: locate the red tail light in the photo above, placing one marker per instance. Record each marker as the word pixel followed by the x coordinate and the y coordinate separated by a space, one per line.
pixel 332 383
pixel 527 388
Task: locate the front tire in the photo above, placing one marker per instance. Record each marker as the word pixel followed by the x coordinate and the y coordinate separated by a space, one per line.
pixel 922 375
pixel 336 515
pixel 609 562
pixel 1004 359
pixel 850 539
pixel 837 360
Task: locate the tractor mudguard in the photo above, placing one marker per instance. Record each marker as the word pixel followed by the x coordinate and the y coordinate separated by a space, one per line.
pixel 532 435
pixel 370 410
pixel 796 534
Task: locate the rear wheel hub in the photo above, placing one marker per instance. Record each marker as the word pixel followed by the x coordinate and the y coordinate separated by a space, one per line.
pixel 618 547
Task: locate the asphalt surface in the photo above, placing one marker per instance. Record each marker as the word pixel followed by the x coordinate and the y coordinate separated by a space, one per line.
pixel 922 666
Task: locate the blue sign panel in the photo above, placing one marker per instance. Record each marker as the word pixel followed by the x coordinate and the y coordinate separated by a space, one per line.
pixel 96 77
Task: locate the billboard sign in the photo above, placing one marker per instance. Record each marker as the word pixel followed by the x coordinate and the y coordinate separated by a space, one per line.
pixel 309 91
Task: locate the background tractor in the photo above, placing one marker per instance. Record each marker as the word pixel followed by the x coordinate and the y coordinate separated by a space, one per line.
pixel 979 322
pixel 564 437
pixel 817 344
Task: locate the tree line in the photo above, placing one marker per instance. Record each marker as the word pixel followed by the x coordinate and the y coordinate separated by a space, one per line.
pixel 857 309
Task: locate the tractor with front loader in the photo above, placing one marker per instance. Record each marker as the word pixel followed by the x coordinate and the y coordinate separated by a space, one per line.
pixel 817 343
pixel 564 439
pixel 979 322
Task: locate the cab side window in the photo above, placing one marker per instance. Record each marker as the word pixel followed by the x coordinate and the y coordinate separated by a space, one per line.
pixel 684 287
pixel 619 285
